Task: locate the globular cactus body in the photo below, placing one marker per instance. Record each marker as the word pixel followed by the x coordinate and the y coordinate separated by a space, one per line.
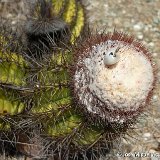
pixel 113 77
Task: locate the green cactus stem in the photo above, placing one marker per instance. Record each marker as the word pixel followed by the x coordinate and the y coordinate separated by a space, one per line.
pixel 12 79
pixel 8 106
pixel 12 69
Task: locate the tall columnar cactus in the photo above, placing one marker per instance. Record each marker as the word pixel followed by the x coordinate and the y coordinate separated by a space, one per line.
pixel 75 95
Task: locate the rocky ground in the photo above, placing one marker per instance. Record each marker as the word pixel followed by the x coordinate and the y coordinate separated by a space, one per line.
pixel 140 18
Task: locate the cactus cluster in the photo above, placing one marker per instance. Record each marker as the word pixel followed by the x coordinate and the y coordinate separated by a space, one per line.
pixel 62 95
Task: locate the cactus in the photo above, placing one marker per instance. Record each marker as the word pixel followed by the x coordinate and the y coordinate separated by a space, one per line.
pixel 12 79
pixel 102 74
pixel 75 94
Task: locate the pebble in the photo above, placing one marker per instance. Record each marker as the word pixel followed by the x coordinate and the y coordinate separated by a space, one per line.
pixel 155 97
pixel 151 44
pixel 156 20
pixel 153 63
pixel 140 36
pixel 13 22
pixel 9 15
pixel 146 28
pixel 124 11
pixel 147 135
pixel 138 26
pixel 155 54
pixel 116 21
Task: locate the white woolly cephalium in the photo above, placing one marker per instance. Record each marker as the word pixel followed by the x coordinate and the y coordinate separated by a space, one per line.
pixel 113 77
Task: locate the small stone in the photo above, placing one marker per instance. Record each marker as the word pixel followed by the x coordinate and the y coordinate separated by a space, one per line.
pixel 137 26
pixel 151 44
pixel 155 54
pixel 147 135
pixel 124 11
pixel 116 21
pixel 153 63
pixel 132 20
pixel 156 20
pixel 9 15
pixel 146 28
pixel 140 36
pixel 155 97
pixel 13 22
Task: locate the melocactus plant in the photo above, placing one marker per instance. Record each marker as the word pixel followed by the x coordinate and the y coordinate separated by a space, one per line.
pixel 111 80
pixel 78 95
pixel 113 77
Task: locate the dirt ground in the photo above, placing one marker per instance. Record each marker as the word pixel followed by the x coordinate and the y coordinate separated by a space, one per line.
pixel 140 18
